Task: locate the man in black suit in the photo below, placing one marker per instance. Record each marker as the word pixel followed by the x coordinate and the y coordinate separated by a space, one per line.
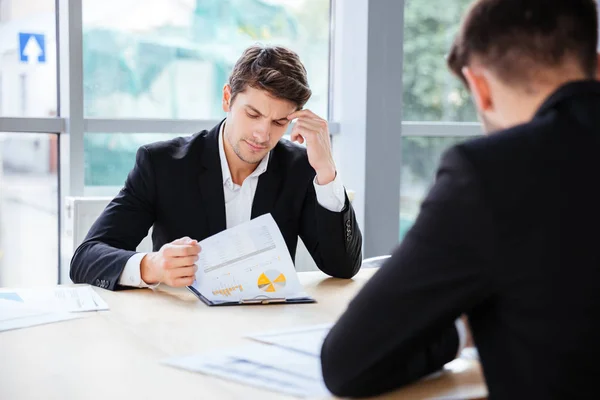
pixel 507 235
pixel 191 188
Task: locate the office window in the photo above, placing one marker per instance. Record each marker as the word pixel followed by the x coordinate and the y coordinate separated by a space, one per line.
pixel 431 93
pixel 23 94
pixel 420 160
pixel 28 209
pixel 4 10
pixel 110 157
pixel 28 48
pixel 170 59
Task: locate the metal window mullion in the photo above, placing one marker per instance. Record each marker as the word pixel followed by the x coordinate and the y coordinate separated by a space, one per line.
pixel 175 126
pixel 70 91
pixel 441 129
pixel 31 125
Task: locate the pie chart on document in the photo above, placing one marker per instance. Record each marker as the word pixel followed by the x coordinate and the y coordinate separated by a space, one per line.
pixel 271 281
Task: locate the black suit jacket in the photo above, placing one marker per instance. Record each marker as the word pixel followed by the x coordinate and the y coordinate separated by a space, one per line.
pixel 177 187
pixel 508 235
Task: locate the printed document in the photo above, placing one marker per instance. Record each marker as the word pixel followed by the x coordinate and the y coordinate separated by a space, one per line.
pixel 57 298
pixel 247 264
pixel 15 314
pixel 261 365
pixel 307 340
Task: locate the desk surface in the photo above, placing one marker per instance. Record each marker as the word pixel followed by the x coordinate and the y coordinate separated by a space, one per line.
pixel 116 353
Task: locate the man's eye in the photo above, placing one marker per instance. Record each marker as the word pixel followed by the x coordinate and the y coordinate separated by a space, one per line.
pixel 252 116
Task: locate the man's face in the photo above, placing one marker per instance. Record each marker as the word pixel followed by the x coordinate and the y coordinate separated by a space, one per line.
pixel 256 121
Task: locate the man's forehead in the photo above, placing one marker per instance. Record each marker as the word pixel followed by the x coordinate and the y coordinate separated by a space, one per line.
pixel 280 108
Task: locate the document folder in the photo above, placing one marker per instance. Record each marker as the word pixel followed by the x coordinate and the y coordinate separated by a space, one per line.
pixel 256 301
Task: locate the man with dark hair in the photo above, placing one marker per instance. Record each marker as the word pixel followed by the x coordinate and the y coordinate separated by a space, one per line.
pixel 506 234
pixel 191 188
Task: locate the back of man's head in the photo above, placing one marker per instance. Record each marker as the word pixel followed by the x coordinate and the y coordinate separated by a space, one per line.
pixel 522 41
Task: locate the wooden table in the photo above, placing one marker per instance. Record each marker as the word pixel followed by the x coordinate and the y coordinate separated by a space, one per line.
pixel 117 353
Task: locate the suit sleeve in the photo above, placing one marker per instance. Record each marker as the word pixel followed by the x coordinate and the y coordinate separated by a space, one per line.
pixel 113 238
pixel 333 238
pixel 400 327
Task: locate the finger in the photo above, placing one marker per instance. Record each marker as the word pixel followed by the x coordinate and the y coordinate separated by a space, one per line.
pixel 303 113
pixel 310 131
pixel 296 137
pixel 183 240
pixel 315 125
pixel 183 281
pixel 307 134
pixel 182 250
pixel 183 271
pixel 179 262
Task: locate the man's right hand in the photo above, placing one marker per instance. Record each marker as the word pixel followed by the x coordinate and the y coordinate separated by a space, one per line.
pixel 173 264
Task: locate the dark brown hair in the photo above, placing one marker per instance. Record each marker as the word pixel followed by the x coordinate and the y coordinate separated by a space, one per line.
pixel 515 38
pixel 275 69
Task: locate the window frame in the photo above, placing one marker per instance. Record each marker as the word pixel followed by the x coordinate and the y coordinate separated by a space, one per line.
pixel 359 65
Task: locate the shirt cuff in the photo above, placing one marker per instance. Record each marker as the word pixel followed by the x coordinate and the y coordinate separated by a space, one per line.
pixel 331 196
pixel 132 275
pixel 461 329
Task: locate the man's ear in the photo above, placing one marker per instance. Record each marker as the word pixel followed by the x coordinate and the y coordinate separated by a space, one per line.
pixel 480 89
pixel 226 103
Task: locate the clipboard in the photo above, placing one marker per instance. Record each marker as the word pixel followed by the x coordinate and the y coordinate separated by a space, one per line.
pixel 255 301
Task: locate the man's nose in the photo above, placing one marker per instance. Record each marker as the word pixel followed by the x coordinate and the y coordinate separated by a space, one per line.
pixel 261 134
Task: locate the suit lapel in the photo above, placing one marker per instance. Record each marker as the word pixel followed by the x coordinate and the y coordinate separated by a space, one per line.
pixel 210 179
pixel 268 187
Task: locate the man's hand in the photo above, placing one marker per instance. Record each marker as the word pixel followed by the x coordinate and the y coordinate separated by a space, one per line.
pixel 173 264
pixel 313 129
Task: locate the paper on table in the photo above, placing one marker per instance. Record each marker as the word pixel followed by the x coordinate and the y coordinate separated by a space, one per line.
pixel 308 339
pixel 247 262
pixel 60 298
pixel 261 365
pixel 10 309
pixel 15 314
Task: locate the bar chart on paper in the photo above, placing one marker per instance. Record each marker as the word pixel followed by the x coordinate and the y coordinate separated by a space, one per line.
pixel 226 285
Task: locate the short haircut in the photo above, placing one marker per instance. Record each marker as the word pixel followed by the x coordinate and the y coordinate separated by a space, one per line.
pixel 272 68
pixel 515 38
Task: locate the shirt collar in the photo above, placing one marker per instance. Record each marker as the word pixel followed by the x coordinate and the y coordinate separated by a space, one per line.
pixel 260 169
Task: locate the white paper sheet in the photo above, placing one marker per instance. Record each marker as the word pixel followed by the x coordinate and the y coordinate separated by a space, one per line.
pixel 248 262
pixel 59 298
pixel 307 340
pixel 261 365
pixel 15 314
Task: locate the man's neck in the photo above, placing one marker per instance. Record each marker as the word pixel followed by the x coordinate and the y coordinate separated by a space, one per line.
pixel 526 105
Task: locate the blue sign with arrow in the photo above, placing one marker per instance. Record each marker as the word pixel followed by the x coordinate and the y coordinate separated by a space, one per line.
pixel 32 48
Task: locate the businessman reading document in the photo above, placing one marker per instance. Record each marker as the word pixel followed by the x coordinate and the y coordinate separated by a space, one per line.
pixel 191 188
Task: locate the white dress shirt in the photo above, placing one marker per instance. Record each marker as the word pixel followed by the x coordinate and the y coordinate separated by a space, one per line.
pixel 238 205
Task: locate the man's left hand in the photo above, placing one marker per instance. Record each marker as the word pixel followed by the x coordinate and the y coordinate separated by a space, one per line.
pixel 313 129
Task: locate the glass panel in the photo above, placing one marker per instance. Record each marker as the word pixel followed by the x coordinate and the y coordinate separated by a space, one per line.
pixel 431 92
pixel 28 209
pixel 420 160
pixel 109 157
pixel 27 58
pixel 170 59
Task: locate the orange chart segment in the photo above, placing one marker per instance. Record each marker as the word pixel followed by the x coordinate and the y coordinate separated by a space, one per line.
pixel 271 281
